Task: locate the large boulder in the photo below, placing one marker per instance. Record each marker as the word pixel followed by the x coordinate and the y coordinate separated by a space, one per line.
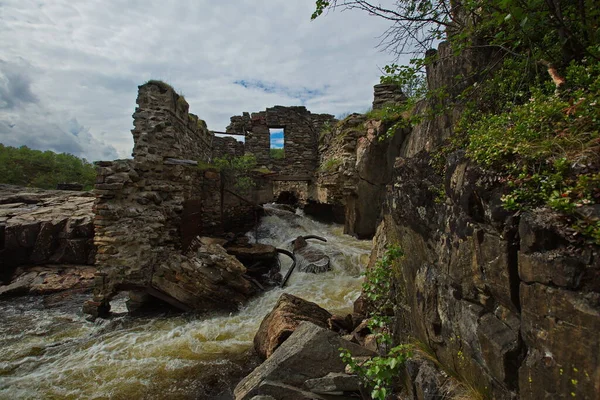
pixel 310 352
pixel 283 320
pixel 206 279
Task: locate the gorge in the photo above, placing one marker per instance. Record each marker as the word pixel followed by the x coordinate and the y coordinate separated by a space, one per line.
pixel 503 302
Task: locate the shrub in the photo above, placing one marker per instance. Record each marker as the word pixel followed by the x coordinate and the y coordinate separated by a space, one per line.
pixel 378 372
pixel 277 154
pixel 331 165
pixel 547 149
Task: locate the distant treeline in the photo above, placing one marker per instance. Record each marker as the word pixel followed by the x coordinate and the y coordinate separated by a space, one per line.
pixel 44 169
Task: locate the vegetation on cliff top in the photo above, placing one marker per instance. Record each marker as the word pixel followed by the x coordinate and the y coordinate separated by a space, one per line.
pixel 530 113
pixel 43 169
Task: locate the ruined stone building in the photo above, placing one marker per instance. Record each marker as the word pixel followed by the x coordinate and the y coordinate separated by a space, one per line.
pixel 149 209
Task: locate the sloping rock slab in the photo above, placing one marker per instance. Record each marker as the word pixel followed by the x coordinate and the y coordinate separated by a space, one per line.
pixel 310 352
pixel 278 390
pixel 49 279
pixel 334 383
pixel 285 317
pixel 206 280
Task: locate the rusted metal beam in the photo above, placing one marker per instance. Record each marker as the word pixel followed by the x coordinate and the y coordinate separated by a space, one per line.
pixel 290 178
pixel 229 133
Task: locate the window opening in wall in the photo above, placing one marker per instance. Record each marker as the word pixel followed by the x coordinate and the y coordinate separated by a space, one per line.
pixel 277 150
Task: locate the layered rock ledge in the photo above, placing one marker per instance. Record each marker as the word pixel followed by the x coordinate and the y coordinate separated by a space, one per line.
pixel 44 227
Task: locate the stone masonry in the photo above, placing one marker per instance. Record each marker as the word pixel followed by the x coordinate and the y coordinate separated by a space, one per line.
pixel 226 147
pixel 301 132
pixel 149 209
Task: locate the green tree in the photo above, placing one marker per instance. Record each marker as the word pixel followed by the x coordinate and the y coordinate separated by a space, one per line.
pixel 44 169
pixel 557 31
pixel 237 171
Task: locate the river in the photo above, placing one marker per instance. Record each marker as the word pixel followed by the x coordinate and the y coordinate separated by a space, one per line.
pixel 49 351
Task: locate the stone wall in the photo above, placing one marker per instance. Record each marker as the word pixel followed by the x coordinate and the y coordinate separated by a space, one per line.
pixel 301 132
pixel 301 135
pixel 164 127
pixel 387 93
pixel 149 209
pixel 297 189
pixel 226 147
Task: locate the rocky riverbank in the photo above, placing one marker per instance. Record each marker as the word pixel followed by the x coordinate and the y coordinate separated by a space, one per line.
pixel 46 240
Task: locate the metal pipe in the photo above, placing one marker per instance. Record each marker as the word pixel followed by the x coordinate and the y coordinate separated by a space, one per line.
pixel 287 275
pixel 322 239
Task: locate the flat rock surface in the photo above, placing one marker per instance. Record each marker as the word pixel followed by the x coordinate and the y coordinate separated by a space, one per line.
pixel 19 205
pixel 46 279
pixel 40 227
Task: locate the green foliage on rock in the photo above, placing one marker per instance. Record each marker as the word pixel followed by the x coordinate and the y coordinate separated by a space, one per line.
pixel 237 171
pixel 529 108
pixel 378 372
pixel 331 165
pixel 44 169
pixel 547 149
pixel 277 154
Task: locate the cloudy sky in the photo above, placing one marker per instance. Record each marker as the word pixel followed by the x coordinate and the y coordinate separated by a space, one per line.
pixel 69 69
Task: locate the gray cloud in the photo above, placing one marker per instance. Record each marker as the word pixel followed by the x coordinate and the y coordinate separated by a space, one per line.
pixel 85 59
pixel 15 87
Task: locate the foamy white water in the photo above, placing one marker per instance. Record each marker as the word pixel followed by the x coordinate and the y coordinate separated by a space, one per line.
pixel 53 353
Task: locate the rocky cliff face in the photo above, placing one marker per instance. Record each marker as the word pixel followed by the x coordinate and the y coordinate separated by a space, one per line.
pixel 505 301
pixel 44 227
pixel 509 303
pixel 355 166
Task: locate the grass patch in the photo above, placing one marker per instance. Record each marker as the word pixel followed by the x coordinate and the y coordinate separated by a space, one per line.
pixel 331 165
pixel 202 165
pixel 163 85
pixel 277 154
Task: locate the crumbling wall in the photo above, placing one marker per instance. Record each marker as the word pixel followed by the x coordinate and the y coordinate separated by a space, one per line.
pixel 387 93
pixel 164 127
pixel 226 147
pixel 301 135
pixel 257 138
pixel 301 131
pixel 297 189
pixel 149 209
